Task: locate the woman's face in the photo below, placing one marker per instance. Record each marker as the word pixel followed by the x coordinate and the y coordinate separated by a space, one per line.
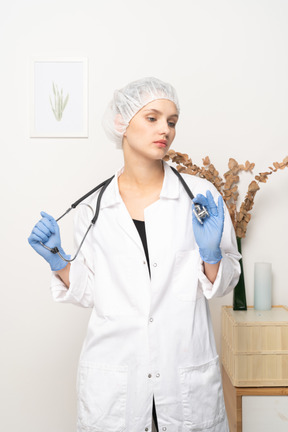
pixel 152 130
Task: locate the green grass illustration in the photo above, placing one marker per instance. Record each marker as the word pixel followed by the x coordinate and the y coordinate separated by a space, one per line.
pixel 59 103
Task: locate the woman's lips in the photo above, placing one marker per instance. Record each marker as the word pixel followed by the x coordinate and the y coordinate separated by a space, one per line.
pixel 161 143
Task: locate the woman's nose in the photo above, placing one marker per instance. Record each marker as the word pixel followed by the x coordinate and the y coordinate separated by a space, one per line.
pixel 164 128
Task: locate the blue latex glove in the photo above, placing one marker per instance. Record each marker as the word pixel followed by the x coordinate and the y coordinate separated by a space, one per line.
pixel 47 231
pixel 208 236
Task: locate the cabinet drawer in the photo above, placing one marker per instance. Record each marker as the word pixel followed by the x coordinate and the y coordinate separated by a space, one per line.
pixel 265 413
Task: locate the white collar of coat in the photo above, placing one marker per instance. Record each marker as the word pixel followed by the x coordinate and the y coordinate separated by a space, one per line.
pixel 170 187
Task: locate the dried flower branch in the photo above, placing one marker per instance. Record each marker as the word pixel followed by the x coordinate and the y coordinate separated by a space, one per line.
pixel 228 187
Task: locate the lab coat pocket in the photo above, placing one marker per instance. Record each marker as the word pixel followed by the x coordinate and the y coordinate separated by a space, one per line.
pixel 202 395
pixel 185 282
pixel 102 392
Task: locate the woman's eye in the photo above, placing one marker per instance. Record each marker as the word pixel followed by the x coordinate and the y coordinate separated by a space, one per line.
pixel 151 119
pixel 171 124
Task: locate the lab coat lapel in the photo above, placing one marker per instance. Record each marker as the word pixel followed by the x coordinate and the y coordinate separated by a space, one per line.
pixel 112 197
pixel 162 215
pixel 126 223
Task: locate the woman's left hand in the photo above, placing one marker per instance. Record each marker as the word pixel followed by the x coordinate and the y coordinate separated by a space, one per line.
pixel 208 236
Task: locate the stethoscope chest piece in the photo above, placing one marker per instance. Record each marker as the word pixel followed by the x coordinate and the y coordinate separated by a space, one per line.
pixel 200 212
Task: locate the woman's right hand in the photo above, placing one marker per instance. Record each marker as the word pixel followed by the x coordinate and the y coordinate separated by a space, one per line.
pixel 47 231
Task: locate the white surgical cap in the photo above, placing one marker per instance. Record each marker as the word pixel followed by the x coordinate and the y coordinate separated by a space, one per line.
pixel 129 100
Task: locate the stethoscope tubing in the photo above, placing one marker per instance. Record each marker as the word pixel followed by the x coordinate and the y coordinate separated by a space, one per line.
pixel 93 221
pixel 104 185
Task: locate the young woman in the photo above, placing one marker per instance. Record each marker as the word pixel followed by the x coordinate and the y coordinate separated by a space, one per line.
pixel 147 268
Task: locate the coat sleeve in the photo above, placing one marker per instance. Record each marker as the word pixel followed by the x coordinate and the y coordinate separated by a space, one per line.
pixel 229 269
pixel 81 275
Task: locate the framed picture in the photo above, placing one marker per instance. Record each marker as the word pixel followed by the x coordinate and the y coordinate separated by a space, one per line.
pixel 59 98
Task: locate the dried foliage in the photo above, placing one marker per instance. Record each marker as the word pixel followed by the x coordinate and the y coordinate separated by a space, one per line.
pixel 228 187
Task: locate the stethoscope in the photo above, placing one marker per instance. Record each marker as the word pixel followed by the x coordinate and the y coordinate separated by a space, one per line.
pixel 199 210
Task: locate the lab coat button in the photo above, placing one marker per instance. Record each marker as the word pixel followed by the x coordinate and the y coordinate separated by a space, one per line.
pixel 157 375
pixel 149 375
pixel 146 429
pixel 151 319
pixel 164 428
pixel 144 262
pixel 155 265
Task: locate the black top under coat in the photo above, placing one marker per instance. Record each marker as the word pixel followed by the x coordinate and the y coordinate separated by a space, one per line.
pixel 140 225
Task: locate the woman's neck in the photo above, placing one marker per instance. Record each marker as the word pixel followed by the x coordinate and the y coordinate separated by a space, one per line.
pixel 143 174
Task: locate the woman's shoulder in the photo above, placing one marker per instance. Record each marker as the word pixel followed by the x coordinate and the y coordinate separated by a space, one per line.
pixel 109 195
pixel 88 205
pixel 198 184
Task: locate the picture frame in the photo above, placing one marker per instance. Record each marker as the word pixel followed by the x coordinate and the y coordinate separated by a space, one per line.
pixel 59 98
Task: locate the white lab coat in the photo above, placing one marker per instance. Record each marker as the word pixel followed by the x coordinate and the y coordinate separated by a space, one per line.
pixel 148 337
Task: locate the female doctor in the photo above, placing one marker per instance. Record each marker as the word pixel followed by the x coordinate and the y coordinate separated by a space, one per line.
pixel 147 270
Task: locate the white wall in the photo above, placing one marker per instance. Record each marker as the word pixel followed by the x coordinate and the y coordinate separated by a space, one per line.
pixel 228 62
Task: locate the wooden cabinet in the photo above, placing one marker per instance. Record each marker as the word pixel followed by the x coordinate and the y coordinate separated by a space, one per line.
pixel 236 397
pixel 255 369
pixel 255 346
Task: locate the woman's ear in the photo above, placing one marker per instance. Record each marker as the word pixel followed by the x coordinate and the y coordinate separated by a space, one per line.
pixel 125 131
pixel 119 124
